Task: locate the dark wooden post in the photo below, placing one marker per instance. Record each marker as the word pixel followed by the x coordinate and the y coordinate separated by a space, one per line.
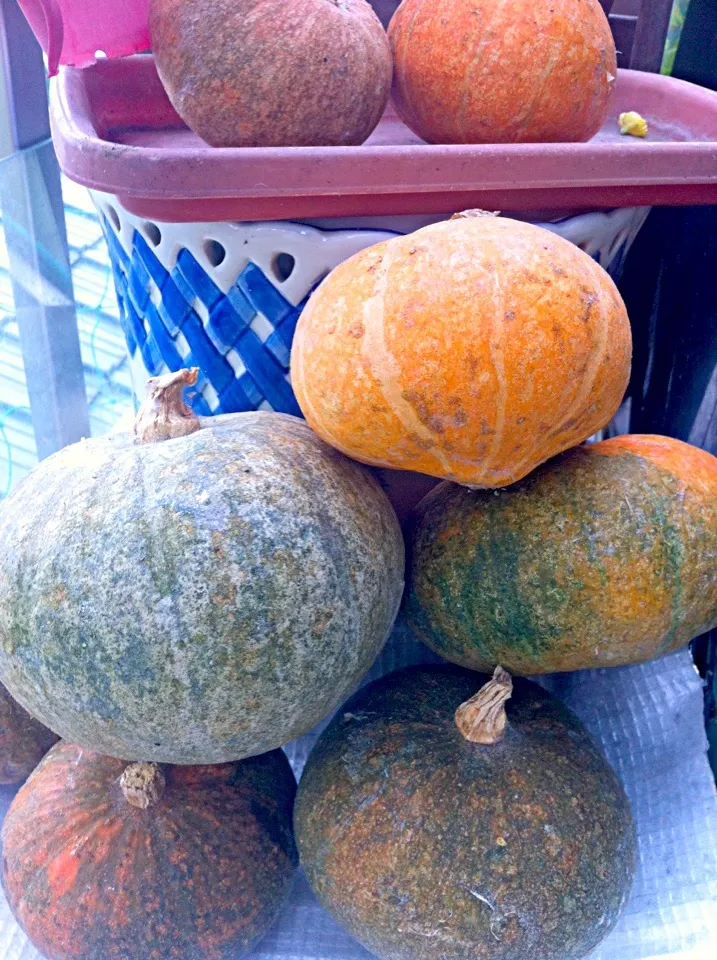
pixel 650 33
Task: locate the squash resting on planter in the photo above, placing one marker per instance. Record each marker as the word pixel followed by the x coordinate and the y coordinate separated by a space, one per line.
pixel 436 827
pixel 273 73
pixel 206 593
pixel 604 556
pixel 23 740
pixel 471 350
pixel 102 860
pixel 531 71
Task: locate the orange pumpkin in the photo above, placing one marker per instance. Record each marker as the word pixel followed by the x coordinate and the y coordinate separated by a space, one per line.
pixel 471 350
pixel 528 71
pixel 102 860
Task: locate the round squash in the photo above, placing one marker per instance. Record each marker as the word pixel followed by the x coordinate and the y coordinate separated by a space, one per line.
pixel 437 829
pixel 268 73
pixel 528 71
pixel 471 350
pixel 23 741
pixel 102 860
pixel 604 556
pixel 199 598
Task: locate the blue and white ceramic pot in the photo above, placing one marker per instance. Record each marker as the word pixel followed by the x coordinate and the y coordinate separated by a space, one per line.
pixel 225 297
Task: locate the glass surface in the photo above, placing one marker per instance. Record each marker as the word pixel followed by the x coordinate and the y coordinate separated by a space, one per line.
pixel 38 345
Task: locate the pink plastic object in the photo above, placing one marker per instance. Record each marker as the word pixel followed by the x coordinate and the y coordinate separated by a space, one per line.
pixel 73 32
pixel 115 130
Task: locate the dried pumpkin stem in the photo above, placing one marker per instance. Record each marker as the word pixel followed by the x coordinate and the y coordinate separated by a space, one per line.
pixel 142 784
pixel 482 719
pixel 164 415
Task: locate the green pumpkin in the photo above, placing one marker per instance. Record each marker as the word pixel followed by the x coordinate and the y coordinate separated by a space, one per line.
pixel 201 592
pixel 437 825
pixel 606 555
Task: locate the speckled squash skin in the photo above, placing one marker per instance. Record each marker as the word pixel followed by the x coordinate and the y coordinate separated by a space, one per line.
pixel 199 599
pixel 268 73
pixel 528 71
pixel 200 875
pixel 605 556
pixel 23 741
pixel 471 350
pixel 427 847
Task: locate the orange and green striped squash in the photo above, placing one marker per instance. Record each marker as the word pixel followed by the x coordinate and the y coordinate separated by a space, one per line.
pixel 606 555
pixel 471 350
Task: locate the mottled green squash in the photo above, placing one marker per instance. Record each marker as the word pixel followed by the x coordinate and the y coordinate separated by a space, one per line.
pixel 104 861
pixel 204 591
pixel 606 555
pixel 23 740
pixel 437 827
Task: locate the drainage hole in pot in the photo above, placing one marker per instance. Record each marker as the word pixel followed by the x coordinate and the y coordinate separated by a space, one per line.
pixel 283 266
pixel 114 217
pixel 154 234
pixel 215 252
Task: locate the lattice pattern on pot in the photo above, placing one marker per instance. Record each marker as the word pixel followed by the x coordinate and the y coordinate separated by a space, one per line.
pixel 240 340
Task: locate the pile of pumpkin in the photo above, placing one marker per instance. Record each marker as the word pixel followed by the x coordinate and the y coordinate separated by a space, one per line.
pixel 268 73
pixel 180 603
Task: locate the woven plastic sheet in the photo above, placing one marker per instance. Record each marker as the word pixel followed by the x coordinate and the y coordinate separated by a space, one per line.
pixel 649 722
